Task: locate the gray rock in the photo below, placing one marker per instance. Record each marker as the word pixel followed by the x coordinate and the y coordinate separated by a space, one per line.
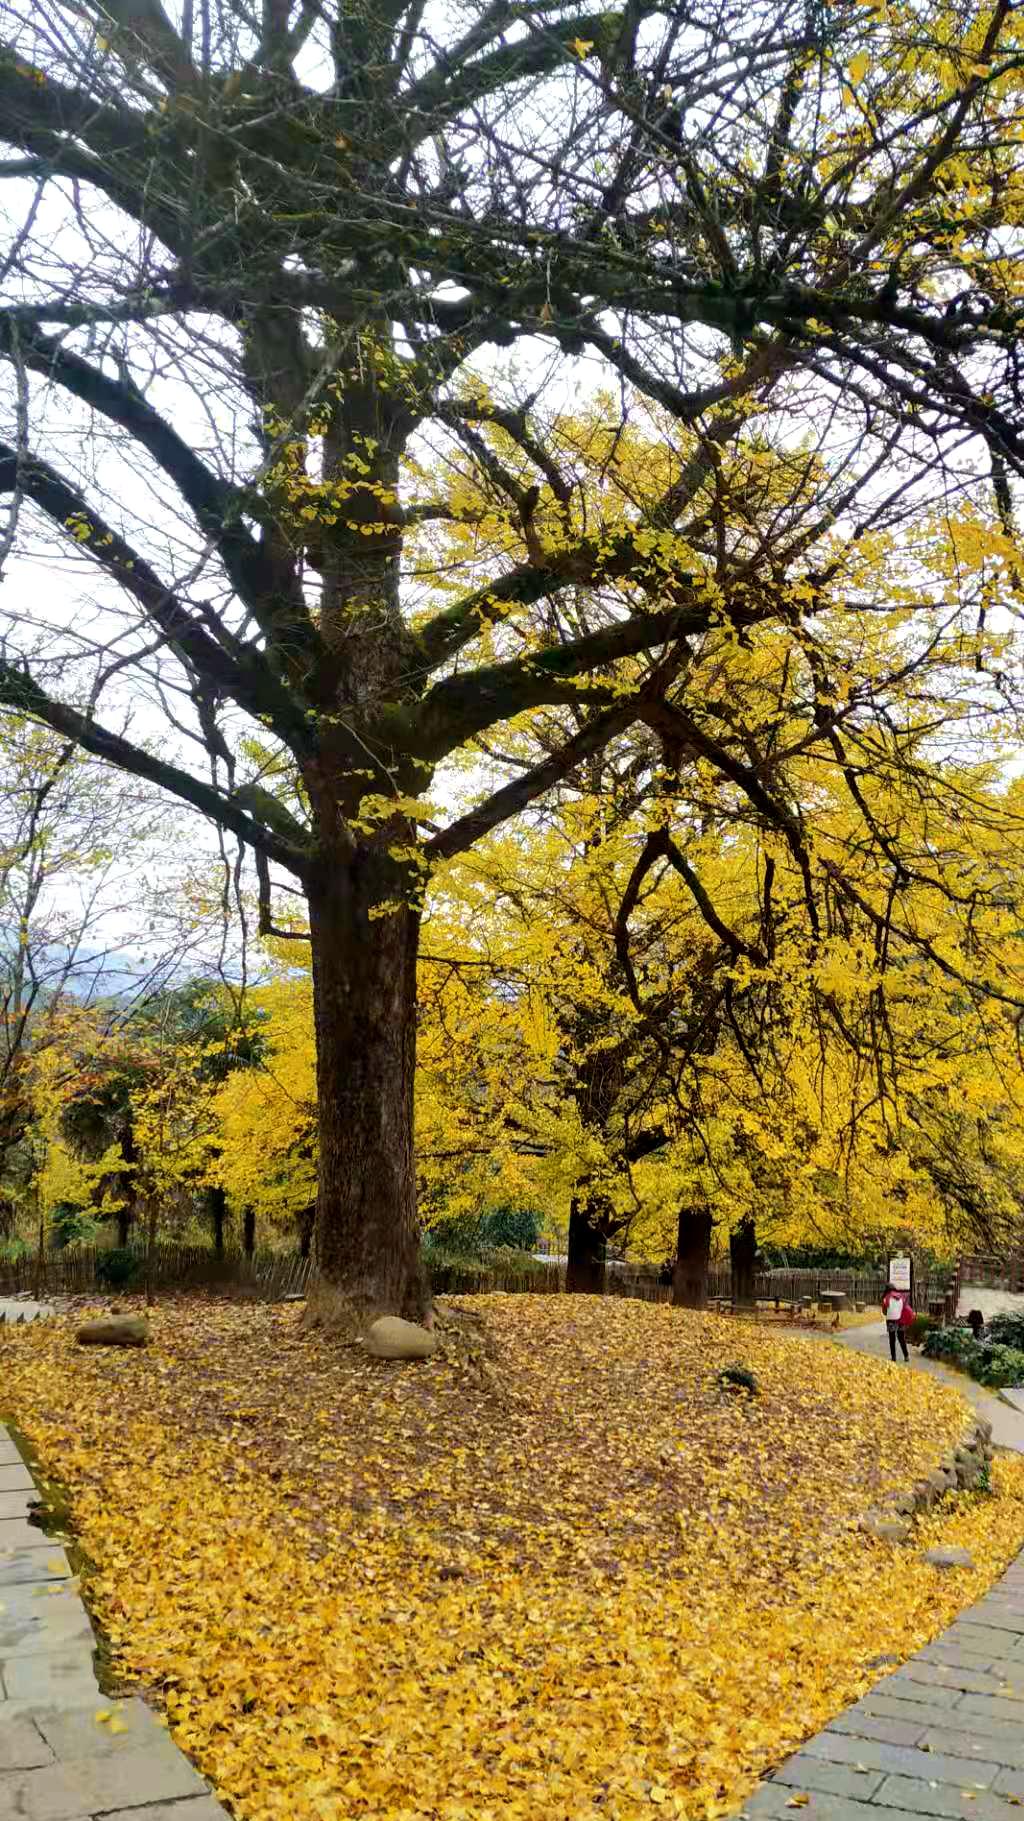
pixel 948 1556
pixel 389 1337
pixel 886 1529
pixel 114 1331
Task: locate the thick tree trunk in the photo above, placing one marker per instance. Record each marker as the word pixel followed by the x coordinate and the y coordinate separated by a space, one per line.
pixel 307 1222
pixel 216 1207
pixel 366 1240
pixel 585 1268
pixel 743 1259
pixel 124 1183
pixel 693 1251
pixel 249 1231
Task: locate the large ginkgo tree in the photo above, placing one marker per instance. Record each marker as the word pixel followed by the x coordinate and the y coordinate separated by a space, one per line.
pixel 289 285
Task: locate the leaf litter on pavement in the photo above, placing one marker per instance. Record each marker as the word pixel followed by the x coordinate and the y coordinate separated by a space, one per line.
pixel 573 1584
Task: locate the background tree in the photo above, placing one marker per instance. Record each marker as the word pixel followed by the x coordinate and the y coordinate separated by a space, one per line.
pixel 332 217
pixel 76 839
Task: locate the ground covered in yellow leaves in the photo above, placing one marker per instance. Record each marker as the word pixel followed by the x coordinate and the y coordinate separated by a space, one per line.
pixel 585 1582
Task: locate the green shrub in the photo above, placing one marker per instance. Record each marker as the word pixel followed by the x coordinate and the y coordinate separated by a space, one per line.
pixel 956 1344
pixel 485 1269
pixel 70 1225
pixel 987 1362
pixel 919 1327
pixel 998 1365
pixel 517 1229
pixel 478 1235
pixel 1007 1331
pixel 457 1236
pixel 117 1269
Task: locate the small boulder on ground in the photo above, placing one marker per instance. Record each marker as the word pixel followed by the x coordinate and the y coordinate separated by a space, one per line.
pixel 948 1555
pixel 389 1337
pixel 886 1529
pixel 114 1331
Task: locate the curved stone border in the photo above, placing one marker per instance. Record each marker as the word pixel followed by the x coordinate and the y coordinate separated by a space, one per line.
pixel 942 1737
pixel 959 1469
pixel 59 1761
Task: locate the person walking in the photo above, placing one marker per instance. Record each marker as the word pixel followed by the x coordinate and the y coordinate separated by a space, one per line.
pixel 898 1317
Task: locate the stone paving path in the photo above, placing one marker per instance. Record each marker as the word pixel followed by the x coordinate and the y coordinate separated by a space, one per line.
pixel 943 1736
pixel 14 1308
pixel 57 1761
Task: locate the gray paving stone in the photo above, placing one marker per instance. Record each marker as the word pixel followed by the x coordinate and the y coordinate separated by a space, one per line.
pixel 1009 1671
pixel 883 1727
pixel 802 1772
pixel 1010 1783
pixel 15 1504
pixel 133 1778
pixel 981 1637
pixel 15 1479
pixel 771 1800
pixel 34 1624
pixel 52 1676
pixel 955 1657
pixel 202 1808
pixel 903 1760
pixel 26 1565
pixel 913 1795
pixel 48 1794
pixel 1005 1746
pixel 22 1747
pixel 81 1735
pixel 983 1725
pixel 930 1713
pixel 9 1456
pixel 18 1533
pixel 943 1675
pixel 14 1310
pixel 998 1616
pixel 991 1705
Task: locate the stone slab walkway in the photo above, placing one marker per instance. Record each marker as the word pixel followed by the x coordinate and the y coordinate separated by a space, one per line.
pixel 58 1762
pixel 943 1736
pixel 14 1308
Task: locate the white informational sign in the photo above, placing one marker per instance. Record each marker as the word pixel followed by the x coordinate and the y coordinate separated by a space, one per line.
pixel 899 1273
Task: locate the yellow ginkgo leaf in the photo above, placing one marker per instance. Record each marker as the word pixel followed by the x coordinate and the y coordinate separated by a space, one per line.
pixel 582 46
pixel 101 1715
pixel 859 66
